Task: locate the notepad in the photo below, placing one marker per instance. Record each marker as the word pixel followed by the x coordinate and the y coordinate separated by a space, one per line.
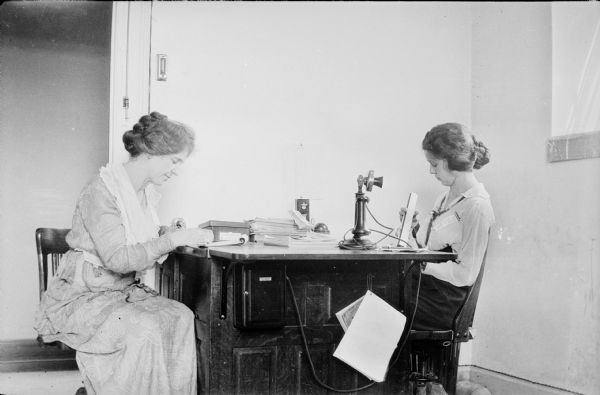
pixel 373 329
pixel 221 243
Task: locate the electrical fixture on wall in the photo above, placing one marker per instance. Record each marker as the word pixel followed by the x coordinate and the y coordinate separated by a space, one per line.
pixel 161 68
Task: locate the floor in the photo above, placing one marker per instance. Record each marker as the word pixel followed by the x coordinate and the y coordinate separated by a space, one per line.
pixel 40 383
pixel 67 383
pixel 500 384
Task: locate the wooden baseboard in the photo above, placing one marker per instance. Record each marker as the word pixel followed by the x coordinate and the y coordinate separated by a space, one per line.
pixel 26 355
pixel 499 383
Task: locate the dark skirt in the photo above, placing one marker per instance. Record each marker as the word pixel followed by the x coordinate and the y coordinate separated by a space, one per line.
pixel 439 302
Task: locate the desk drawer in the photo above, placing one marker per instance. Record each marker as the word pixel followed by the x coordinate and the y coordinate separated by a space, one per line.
pixel 259 295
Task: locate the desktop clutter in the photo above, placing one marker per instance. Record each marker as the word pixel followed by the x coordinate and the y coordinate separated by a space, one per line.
pixel 298 230
pixel 281 232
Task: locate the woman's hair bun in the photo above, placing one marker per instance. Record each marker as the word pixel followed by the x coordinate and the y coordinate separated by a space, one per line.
pixel 132 138
pixel 138 128
pixel 155 134
pixel 158 116
pixel 482 153
pixel 149 121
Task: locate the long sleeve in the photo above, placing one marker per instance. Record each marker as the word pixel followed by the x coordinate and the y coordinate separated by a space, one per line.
pixel 476 221
pixel 102 220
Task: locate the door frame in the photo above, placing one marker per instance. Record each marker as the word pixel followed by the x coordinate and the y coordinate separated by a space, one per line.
pixel 129 71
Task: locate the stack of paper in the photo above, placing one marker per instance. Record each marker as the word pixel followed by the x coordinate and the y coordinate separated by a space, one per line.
pixel 275 227
pixel 314 238
pixel 373 329
pixel 295 231
pixel 278 241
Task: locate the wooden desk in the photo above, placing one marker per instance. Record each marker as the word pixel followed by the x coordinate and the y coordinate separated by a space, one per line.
pixel 223 287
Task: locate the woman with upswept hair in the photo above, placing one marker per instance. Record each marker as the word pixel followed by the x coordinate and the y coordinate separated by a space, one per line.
pixel 128 340
pixel 460 223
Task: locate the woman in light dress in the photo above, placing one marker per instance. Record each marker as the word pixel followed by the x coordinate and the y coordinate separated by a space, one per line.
pixel 128 339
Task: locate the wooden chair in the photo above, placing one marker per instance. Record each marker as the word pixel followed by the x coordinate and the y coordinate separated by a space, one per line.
pixel 51 245
pixel 33 354
pixel 443 346
pixel 23 355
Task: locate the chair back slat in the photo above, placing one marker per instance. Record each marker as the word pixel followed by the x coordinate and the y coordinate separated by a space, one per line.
pixel 55 262
pixel 49 242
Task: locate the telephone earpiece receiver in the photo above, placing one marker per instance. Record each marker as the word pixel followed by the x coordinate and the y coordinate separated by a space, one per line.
pixel 369 181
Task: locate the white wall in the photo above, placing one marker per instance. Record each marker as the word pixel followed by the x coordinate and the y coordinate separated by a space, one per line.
pixel 298 99
pixel 538 313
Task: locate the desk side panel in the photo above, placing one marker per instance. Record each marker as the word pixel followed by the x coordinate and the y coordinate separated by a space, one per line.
pixel 273 361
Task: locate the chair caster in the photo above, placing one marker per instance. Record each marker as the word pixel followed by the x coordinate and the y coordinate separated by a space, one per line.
pixel 419 382
pixel 425 384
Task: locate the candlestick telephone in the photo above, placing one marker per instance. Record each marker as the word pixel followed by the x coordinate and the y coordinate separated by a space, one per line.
pixel 360 231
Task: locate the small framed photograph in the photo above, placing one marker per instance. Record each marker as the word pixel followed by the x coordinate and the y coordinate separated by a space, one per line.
pixel 303 207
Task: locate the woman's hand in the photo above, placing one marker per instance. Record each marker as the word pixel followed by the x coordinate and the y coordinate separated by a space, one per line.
pixel 411 242
pixel 415 221
pixel 191 237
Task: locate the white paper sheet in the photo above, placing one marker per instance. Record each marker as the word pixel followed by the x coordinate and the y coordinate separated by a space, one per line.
pixel 372 337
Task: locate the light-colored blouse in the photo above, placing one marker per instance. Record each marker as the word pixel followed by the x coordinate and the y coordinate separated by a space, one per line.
pixel 98 229
pixel 464 225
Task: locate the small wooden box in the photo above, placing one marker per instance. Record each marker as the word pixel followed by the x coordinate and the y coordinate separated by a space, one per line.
pixel 227 230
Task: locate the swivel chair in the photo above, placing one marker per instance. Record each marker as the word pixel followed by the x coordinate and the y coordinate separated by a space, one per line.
pixel 438 351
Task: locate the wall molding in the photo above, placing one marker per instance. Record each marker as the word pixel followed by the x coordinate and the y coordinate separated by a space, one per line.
pixel 573 146
pixel 499 383
pixel 28 355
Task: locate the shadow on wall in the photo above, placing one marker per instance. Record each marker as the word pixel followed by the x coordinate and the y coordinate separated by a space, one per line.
pixel 55 117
